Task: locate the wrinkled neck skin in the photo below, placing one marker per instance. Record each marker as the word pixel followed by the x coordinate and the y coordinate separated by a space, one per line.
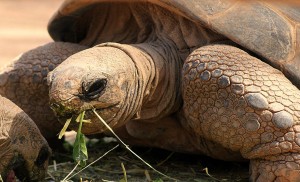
pixel 141 82
pixel 157 83
pixel 20 144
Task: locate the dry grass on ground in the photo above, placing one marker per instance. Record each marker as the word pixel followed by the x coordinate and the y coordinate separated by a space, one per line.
pixel 180 166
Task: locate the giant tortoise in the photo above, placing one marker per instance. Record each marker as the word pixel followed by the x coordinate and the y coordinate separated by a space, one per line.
pixel 214 77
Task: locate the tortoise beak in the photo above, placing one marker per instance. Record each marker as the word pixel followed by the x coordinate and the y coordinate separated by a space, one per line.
pixel 18 167
pixel 14 169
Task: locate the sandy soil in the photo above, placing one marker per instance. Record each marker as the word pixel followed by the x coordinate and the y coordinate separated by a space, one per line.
pixel 23 26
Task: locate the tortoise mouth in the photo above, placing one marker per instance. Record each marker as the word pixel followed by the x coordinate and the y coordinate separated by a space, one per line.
pixel 11 176
pixel 95 126
pixel 89 114
pixel 21 174
pixel 17 170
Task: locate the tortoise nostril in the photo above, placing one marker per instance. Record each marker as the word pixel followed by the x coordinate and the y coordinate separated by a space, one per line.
pixel 95 89
pixel 43 156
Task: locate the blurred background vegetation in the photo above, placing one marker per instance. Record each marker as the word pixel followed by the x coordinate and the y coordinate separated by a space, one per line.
pixel 23 26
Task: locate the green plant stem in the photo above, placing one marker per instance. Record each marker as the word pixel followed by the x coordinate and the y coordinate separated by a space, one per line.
pixel 63 130
pixel 124 172
pixel 79 150
pixel 80 121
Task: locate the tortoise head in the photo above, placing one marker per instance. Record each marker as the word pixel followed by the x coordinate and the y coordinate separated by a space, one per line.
pixel 23 150
pixel 101 78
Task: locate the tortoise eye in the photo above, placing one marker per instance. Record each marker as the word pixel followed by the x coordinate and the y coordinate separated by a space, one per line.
pixel 43 156
pixel 95 89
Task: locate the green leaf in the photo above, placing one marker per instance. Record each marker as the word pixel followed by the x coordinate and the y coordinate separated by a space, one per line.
pixel 63 130
pixel 86 121
pixel 83 120
pixel 80 153
pixel 78 118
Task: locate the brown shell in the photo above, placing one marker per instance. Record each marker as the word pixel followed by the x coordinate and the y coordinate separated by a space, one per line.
pixel 268 28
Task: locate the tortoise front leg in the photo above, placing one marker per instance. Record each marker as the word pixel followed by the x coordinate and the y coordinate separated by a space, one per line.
pixel 24 82
pixel 247 106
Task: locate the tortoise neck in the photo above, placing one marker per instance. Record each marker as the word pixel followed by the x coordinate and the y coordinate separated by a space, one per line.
pixel 155 91
pixel 162 95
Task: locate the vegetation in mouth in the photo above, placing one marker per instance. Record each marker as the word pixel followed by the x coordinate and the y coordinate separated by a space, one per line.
pixel 80 154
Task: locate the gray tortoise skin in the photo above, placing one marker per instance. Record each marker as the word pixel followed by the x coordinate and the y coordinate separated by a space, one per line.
pixel 216 77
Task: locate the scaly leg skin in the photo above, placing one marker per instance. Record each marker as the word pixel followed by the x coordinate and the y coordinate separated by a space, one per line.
pixel 25 83
pixel 244 104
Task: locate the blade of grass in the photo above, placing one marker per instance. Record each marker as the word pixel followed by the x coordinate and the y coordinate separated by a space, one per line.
pixel 124 172
pixel 148 178
pixel 94 161
pixel 104 180
pixel 63 130
pixel 49 174
pixel 130 171
pixel 126 146
pixel 206 171
pixel 165 160
pixel 65 179
pixel 81 119
pixel 54 165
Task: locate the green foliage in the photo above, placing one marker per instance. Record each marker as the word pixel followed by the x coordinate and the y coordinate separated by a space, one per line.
pixel 80 153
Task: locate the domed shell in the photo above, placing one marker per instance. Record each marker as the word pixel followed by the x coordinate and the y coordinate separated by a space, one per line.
pixel 270 29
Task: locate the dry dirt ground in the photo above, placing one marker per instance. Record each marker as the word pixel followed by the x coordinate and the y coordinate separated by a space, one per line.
pixel 22 27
